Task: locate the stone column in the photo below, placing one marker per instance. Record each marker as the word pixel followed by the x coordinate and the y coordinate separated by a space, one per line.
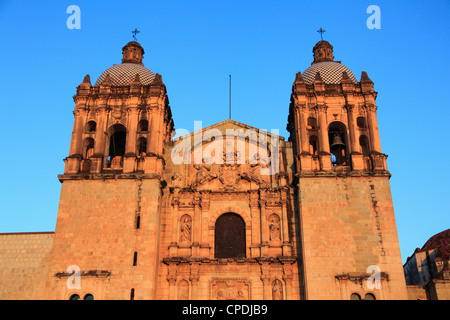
pixel 305 156
pixel 353 139
pixel 130 147
pixel 204 241
pixel 264 228
pixel 324 144
pixel 172 279
pixel 173 247
pixel 100 139
pixel 256 225
pixel 265 278
pixel 285 226
pixel 357 157
pixel 373 128
pixel 194 277
pixel 197 227
pixel 76 145
pixel 150 136
pixel 100 133
pixel 303 132
pixel 287 277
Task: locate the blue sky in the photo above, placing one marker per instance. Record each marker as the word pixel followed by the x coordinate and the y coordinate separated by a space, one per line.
pixel 195 45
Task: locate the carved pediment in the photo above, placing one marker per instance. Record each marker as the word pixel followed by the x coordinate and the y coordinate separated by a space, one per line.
pixel 228 156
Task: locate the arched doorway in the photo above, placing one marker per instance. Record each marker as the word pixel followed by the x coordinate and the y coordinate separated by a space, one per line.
pixel 229 236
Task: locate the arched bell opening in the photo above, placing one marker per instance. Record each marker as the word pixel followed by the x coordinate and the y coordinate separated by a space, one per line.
pixel 88 149
pixel 116 147
pixel 313 145
pixel 364 143
pixel 141 146
pixel 338 138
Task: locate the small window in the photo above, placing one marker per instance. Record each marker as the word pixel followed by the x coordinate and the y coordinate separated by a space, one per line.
pixel 361 122
pixel 91 126
pixel 313 145
pixel 74 297
pixel 312 123
pixel 355 296
pixel 364 143
pixel 135 259
pixel 369 296
pixel 143 126
pixel 142 146
pixel 138 221
pixel 89 297
pixel 132 294
pixel 88 147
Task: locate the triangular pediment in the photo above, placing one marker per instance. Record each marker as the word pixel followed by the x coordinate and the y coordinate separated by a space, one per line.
pixel 229 124
pixel 229 155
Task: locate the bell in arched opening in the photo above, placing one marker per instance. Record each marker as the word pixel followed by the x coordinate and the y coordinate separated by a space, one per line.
pixel 338 144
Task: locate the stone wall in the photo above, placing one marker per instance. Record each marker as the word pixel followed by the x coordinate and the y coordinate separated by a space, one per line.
pixel 96 231
pixel 23 264
pixel 348 225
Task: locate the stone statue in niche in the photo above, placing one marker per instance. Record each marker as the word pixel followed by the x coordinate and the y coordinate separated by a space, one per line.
pixel 185 228
pixel 183 290
pixel 277 290
pixel 275 227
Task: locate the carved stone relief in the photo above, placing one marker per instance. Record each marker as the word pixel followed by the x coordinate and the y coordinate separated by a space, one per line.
pixel 230 289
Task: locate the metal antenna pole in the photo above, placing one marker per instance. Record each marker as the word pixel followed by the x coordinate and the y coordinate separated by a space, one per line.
pixel 229 117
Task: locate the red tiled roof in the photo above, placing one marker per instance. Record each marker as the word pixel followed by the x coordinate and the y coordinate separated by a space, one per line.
pixel 440 241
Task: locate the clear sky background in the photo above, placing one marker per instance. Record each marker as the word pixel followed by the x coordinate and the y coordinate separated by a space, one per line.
pixel 195 45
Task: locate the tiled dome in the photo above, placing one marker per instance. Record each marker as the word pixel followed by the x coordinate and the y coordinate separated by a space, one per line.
pixel 330 71
pixel 123 74
pixel 440 241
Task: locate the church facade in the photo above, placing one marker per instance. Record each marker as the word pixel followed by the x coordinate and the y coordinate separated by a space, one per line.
pixel 227 212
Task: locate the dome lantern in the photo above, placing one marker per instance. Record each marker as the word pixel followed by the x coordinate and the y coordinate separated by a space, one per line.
pixel 323 51
pixel 133 53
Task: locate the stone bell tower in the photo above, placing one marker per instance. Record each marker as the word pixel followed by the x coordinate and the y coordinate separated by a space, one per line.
pixel 108 218
pixel 346 213
pixel 122 121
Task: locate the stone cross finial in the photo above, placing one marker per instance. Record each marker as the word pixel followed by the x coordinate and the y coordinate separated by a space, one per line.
pixel 135 32
pixel 321 31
